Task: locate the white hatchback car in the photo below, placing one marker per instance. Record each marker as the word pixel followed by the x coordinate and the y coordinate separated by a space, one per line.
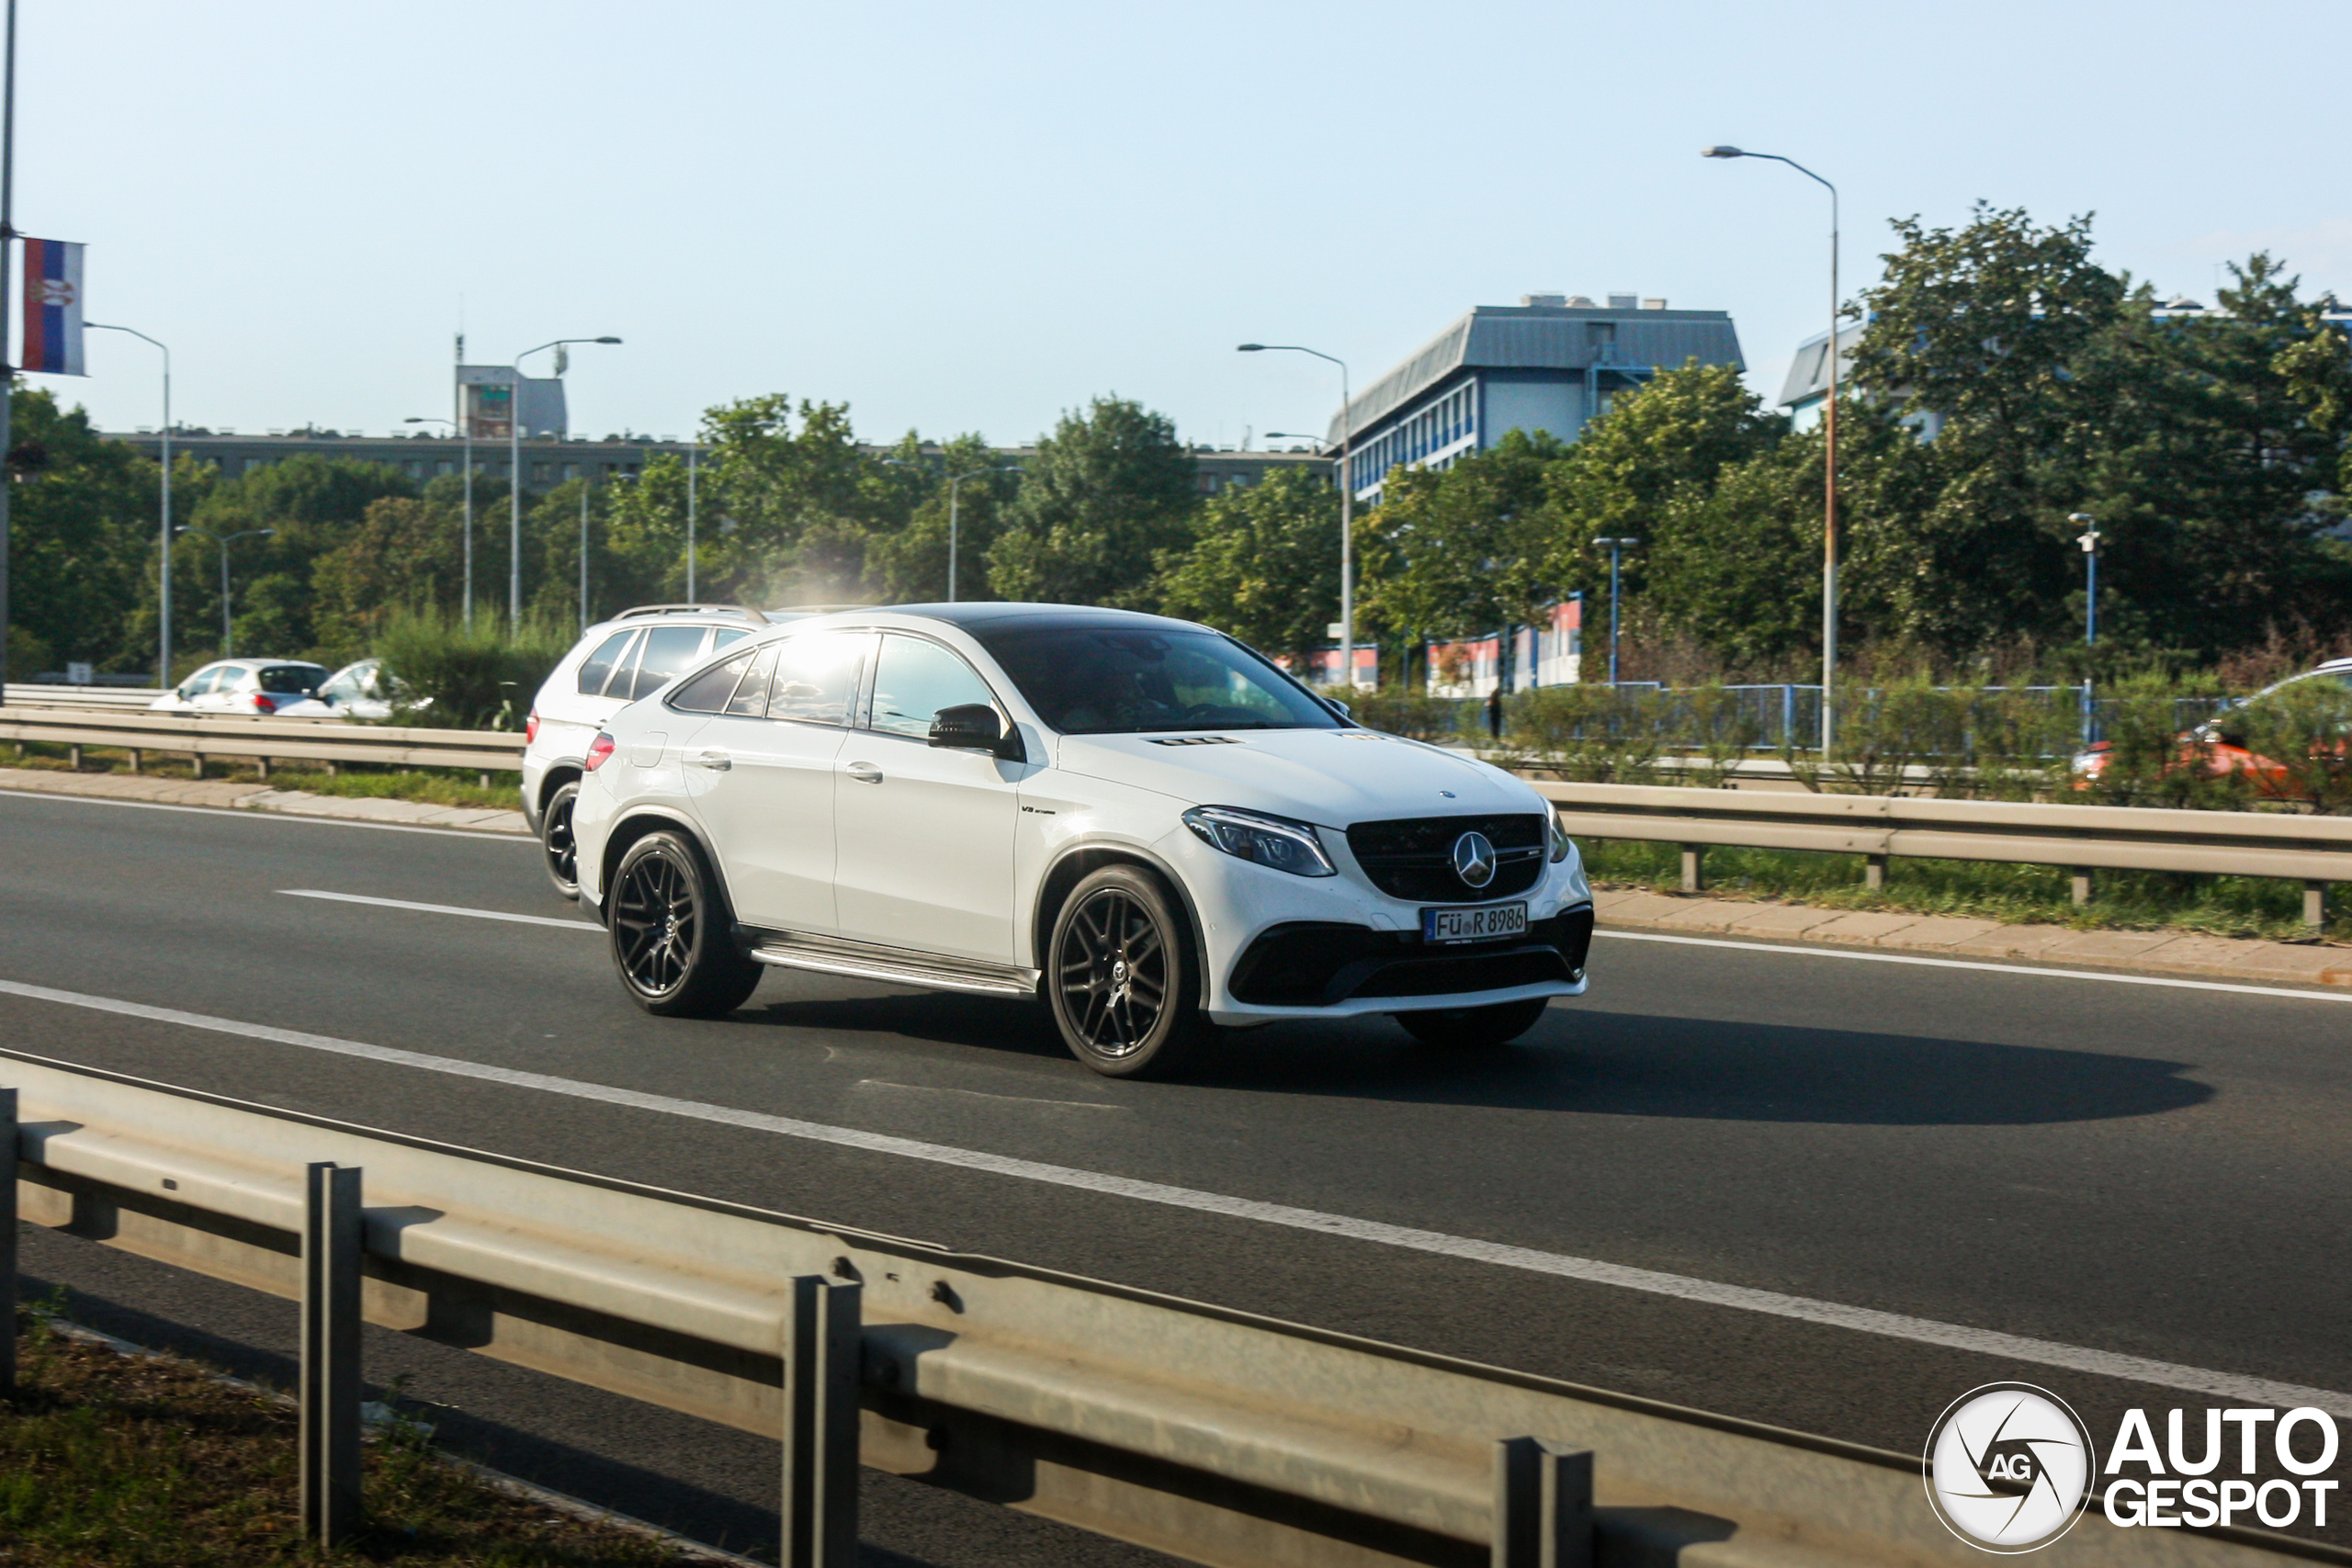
pixel 1138 818
pixel 248 686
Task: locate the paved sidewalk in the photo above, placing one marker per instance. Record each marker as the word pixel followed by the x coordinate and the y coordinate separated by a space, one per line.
pixel 2158 952
pixel 260 798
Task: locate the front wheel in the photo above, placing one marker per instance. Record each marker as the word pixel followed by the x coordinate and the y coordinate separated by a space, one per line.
pixel 559 851
pixel 1473 1029
pixel 1123 981
pixel 673 937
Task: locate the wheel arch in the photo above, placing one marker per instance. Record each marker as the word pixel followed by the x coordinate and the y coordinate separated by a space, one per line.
pixel 1075 865
pixel 635 825
pixel 558 774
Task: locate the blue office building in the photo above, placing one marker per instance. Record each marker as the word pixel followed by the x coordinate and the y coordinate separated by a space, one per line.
pixel 1551 363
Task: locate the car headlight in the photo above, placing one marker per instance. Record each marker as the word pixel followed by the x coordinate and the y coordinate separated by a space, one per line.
pixel 1561 848
pixel 1275 841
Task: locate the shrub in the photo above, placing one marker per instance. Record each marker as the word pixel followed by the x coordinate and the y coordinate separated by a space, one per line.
pixel 451 677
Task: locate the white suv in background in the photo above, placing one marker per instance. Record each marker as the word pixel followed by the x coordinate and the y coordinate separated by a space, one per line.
pixel 614 663
pixel 1138 818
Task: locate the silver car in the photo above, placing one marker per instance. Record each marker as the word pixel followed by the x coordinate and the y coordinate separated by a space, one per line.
pixel 264 686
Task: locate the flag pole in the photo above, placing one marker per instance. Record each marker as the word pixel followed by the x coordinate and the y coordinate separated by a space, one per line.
pixel 8 310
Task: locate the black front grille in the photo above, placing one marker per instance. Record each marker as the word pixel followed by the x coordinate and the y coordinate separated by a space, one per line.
pixel 1413 858
pixel 1317 964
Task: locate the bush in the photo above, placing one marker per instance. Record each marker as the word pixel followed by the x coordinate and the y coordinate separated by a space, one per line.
pixel 454 678
pixel 1437 719
pixel 1964 742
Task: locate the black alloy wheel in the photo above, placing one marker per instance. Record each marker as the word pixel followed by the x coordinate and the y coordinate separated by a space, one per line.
pixel 558 848
pixel 672 936
pixel 1473 1029
pixel 1123 984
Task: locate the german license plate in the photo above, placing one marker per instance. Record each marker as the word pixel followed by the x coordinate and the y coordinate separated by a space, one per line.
pixel 1484 922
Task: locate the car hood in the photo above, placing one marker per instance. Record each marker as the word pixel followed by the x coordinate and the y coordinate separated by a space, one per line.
pixel 1334 777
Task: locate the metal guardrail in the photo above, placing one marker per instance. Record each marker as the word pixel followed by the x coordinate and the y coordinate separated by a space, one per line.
pixel 2314 850
pixel 267 739
pixel 41 694
pixel 1208 1433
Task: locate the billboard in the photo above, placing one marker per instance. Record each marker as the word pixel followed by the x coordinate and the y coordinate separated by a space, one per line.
pixel 487 403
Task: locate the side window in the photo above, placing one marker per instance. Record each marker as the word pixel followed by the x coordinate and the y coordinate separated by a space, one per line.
pixel 201 682
pixel 750 699
pixel 665 652
pixel 917 678
pixel 707 692
pixel 727 637
pixel 816 676
pixel 600 663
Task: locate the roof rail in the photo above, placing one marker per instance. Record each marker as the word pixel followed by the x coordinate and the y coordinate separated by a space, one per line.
pixel 743 610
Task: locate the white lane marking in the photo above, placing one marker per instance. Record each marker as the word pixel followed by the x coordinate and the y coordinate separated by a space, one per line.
pixel 249 814
pixel 983 1094
pixel 1972 964
pixel 1834 1315
pixel 444 909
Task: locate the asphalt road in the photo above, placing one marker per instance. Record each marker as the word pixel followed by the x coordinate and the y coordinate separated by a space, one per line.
pixel 2119 1170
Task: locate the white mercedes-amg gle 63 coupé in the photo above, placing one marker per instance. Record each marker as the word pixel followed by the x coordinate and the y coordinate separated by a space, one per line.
pixel 1140 819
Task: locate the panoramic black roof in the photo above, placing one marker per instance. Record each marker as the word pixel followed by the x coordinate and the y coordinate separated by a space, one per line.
pixel 997 615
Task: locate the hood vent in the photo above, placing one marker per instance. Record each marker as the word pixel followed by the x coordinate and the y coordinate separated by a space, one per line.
pixel 1199 741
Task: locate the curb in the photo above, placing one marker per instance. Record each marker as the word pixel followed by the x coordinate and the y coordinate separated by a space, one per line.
pixel 2166 952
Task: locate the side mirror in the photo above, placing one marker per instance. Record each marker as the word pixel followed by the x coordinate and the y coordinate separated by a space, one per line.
pixel 1344 710
pixel 975 726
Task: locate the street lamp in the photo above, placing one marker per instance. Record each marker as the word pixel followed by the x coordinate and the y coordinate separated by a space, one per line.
pixel 465 430
pixel 164 632
pixel 1829 448
pixel 1615 546
pixel 954 484
pixel 1347 506
pixel 225 541
pixel 2089 540
pixel 514 476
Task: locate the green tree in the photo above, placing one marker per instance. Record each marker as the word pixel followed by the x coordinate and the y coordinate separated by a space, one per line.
pixel 1108 490
pixel 908 565
pixel 1263 563
pixel 83 536
pixel 1455 548
pixel 406 554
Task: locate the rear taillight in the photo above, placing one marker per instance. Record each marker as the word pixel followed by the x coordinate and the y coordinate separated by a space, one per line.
pixel 600 750
pixel 262 702
pixel 531 727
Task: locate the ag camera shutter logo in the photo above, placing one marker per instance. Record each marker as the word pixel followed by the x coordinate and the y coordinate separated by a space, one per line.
pixel 2008 1467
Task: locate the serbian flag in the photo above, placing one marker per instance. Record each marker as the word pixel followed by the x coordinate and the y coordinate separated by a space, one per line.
pixel 54 307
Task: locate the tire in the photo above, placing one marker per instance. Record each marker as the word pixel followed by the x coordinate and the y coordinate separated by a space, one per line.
pixel 1122 978
pixel 672 936
pixel 559 851
pixel 1473 1029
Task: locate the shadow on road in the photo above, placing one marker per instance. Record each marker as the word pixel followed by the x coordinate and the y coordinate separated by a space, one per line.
pixel 1592 1061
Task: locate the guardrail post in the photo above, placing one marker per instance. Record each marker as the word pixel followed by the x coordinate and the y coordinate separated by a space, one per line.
pixel 1543 1504
pixel 823 1337
pixel 2082 884
pixel 8 1240
pixel 1695 867
pixel 2315 904
pixel 196 764
pixel 134 761
pixel 261 768
pixel 330 1379
pixel 1873 872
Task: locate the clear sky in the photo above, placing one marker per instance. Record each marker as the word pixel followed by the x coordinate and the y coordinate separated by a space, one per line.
pixel 970 217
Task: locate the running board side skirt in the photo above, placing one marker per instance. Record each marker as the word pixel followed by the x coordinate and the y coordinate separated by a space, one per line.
pixel 1004 982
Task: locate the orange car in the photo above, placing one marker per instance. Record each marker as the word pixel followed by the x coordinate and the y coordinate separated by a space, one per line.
pixel 2218 747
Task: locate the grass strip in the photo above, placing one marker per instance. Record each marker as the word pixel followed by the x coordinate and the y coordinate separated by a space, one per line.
pixel 359 781
pixel 137 1461
pixel 2259 907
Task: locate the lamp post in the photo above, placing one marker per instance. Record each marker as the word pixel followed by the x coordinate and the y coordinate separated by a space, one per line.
pixel 2089 540
pixel 1615 546
pixel 225 541
pixel 515 477
pixel 955 483
pixel 465 430
pixel 1347 505
pixel 692 453
pixel 1830 450
pixel 164 631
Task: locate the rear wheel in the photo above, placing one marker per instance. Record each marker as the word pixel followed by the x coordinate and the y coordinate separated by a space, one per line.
pixel 1122 979
pixel 1473 1029
pixel 559 852
pixel 672 936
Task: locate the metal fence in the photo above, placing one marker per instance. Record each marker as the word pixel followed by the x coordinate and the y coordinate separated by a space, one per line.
pixel 200 736
pixel 1203 1431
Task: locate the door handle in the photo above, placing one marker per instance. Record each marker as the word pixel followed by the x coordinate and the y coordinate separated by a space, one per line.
pixel 865 773
pixel 717 762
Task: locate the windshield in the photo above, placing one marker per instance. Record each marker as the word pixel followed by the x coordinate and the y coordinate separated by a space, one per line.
pixel 1117 681
pixel 286 680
